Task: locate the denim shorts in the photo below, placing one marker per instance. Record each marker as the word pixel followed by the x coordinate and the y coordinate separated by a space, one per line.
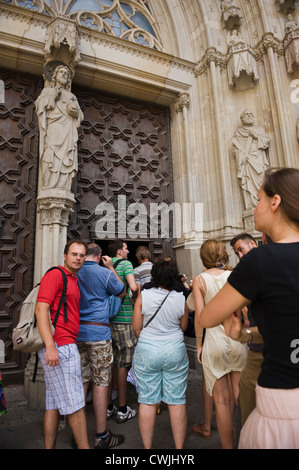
pixel 161 370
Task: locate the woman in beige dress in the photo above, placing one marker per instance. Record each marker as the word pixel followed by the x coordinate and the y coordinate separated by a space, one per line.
pixel 222 358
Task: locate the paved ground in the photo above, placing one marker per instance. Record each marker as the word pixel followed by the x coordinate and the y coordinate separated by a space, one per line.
pixel 22 428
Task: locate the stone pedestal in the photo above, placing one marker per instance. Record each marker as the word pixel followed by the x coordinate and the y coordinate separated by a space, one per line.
pixel 53 209
pixel 248 219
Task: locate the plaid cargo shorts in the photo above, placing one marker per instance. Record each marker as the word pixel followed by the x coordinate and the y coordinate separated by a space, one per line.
pixel 124 342
pixel 64 388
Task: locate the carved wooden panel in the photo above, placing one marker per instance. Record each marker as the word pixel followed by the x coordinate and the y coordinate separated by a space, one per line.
pixel 124 150
pixel 18 186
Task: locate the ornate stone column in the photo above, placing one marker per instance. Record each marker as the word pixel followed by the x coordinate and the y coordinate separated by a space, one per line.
pixel 188 218
pixel 181 106
pixel 59 117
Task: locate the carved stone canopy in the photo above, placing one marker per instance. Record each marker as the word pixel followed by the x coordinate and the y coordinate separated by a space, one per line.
pixel 230 14
pixel 286 6
pixel 241 63
pixel 62 42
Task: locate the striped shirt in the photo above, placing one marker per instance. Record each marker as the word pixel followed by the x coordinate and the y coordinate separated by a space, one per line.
pixel 143 273
pixel 123 269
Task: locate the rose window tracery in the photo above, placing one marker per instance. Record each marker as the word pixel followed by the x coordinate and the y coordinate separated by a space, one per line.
pixel 130 20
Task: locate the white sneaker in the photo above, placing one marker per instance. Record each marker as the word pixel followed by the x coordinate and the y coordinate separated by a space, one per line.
pixel 122 417
pixel 112 412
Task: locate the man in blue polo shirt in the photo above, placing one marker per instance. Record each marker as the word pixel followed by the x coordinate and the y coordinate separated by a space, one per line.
pixel 94 341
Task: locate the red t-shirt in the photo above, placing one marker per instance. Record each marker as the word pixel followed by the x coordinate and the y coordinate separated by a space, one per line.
pixel 50 291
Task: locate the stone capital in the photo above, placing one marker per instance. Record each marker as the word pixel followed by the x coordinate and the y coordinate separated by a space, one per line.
pixel 55 206
pixel 183 101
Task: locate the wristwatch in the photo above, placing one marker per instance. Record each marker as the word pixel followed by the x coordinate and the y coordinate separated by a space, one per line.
pixel 248 331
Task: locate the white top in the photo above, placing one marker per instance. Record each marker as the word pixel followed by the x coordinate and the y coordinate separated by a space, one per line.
pixel 166 324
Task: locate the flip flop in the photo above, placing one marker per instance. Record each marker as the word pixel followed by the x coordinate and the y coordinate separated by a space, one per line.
pixel 199 429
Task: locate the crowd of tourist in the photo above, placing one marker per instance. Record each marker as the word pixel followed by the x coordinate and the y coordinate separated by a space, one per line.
pixel 246 329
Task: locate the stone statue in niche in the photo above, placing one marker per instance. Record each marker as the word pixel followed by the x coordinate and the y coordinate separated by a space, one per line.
pixel 290 25
pixel 230 14
pixel 59 117
pixel 250 146
pixel 241 62
pixel 291 43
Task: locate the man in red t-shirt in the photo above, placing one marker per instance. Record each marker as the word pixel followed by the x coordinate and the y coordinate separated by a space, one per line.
pixel 60 357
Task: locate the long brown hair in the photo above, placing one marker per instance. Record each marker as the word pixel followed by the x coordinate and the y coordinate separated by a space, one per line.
pixel 285 183
pixel 214 255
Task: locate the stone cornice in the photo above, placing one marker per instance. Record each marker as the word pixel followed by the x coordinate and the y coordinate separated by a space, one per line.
pixel 136 50
pixel 24 15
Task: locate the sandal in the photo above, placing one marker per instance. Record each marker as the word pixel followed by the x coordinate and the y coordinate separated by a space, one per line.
pixel 200 430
